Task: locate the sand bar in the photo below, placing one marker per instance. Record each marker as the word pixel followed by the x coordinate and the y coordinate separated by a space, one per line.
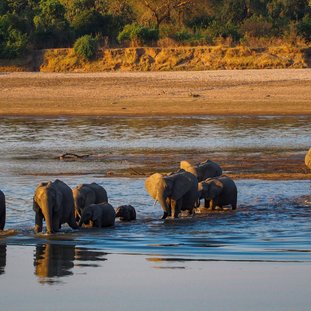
pixel 230 92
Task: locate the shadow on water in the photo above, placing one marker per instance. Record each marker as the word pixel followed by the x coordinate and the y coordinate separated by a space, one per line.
pixel 52 262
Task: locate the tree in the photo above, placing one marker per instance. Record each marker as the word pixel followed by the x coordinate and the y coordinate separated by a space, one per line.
pixel 51 27
pixel 161 10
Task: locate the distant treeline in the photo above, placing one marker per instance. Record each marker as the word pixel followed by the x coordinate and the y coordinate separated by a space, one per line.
pixel 27 25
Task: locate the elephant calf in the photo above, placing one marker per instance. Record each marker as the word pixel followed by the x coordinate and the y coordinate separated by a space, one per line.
pixel 203 170
pixel 218 191
pixel 2 210
pixel 99 215
pixel 126 212
pixel 87 194
pixel 53 201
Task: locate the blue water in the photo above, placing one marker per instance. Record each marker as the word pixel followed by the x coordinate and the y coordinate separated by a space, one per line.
pixel 272 222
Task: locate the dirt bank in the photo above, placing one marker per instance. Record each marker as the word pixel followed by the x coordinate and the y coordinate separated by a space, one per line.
pixel 224 92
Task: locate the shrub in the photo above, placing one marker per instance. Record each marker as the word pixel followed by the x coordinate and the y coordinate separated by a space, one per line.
pixel 219 30
pixel 257 26
pixel 138 34
pixel 304 28
pixel 86 47
pixel 182 36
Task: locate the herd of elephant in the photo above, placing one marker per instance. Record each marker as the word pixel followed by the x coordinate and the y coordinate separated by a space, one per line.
pixel 87 204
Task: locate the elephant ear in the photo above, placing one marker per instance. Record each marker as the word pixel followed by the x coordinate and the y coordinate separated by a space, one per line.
pixel 153 183
pixel 181 185
pixel 188 167
pixel 215 188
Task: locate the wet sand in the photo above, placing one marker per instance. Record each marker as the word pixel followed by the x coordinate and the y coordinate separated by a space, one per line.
pixel 231 92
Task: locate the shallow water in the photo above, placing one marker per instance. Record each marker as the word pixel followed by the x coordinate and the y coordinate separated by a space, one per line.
pixel 255 258
pixel 271 223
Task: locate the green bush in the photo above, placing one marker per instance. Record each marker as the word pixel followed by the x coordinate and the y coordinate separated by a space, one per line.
pixel 182 36
pixel 86 47
pixel 138 33
pixel 304 28
pixel 257 26
pixel 217 29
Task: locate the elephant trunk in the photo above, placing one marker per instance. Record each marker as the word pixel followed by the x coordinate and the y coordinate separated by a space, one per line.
pixel 80 222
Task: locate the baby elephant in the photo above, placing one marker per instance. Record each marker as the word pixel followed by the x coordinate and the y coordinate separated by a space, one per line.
pixel 126 212
pixel 99 215
pixel 2 210
pixel 218 191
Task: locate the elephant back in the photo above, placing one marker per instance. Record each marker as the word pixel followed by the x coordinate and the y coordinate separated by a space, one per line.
pixel 100 193
pixel 208 169
pixel 308 159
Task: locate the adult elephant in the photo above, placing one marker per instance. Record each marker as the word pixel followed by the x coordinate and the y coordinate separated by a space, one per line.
pixel 53 201
pixel 175 193
pixel 87 194
pixel 218 191
pixel 203 170
pixel 2 210
pixel 308 159
pixel 100 215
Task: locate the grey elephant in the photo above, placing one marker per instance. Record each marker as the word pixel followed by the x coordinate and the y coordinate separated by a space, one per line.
pixel 99 215
pixel 218 191
pixel 87 194
pixel 2 210
pixel 176 192
pixel 203 170
pixel 53 201
pixel 308 159
pixel 126 213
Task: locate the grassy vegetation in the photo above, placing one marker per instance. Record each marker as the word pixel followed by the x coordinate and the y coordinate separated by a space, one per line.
pixel 174 58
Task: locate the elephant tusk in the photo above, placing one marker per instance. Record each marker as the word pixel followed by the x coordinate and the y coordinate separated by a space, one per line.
pixel 155 202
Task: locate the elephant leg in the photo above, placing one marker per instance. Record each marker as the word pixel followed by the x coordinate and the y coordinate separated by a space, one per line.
pixel 38 222
pixel 97 223
pixel 233 206
pixel 176 207
pixel 2 221
pixel 206 203
pixel 56 223
pixel 212 204
pixel 173 207
pixel 72 222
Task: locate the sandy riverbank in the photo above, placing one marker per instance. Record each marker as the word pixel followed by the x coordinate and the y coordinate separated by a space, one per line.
pixel 232 92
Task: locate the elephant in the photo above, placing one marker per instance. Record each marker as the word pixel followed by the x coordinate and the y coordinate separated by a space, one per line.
pixel 218 191
pixel 176 192
pixel 308 159
pixel 99 215
pixel 86 194
pixel 2 210
pixel 126 212
pixel 203 170
pixel 53 201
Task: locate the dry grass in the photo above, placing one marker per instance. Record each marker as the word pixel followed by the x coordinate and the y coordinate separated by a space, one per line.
pixel 166 59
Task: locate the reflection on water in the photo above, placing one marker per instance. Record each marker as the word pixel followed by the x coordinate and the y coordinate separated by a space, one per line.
pixel 2 258
pixel 54 261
